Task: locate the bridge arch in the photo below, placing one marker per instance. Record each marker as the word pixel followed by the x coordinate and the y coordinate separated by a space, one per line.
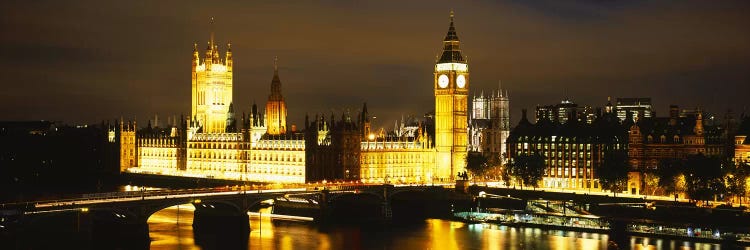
pixel 233 205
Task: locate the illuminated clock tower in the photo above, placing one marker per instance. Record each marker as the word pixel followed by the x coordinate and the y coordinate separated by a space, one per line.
pixel 212 87
pixel 451 91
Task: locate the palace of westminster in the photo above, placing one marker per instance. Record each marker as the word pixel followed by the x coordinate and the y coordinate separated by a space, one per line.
pixel 261 147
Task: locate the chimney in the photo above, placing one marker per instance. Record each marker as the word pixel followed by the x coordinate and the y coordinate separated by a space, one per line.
pixel 674 113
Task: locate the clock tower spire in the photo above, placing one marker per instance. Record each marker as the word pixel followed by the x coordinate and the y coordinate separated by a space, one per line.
pixel 451 85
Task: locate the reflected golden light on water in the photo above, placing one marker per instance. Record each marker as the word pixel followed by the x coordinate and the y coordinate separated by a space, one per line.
pixel 513 235
pixel 645 244
pixel 172 228
pixel 286 242
pixel 558 242
pixel 492 238
pixel 442 237
pixel 261 227
pixel 325 241
pixel 586 243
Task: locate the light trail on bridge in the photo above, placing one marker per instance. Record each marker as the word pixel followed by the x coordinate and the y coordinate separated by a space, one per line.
pixel 159 196
pixel 194 195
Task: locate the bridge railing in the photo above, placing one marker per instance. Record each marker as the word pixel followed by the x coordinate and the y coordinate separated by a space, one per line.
pixel 111 196
pixel 92 197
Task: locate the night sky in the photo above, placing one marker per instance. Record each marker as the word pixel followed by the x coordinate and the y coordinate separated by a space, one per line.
pixel 88 61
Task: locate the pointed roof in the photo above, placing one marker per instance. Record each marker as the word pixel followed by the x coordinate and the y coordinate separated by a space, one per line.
pixel 365 115
pixel 275 82
pixel 451 51
pixel 451 36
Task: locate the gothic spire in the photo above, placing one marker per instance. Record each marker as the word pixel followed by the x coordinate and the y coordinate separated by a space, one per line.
pixel 365 116
pixel 276 82
pixel 451 36
pixel 451 51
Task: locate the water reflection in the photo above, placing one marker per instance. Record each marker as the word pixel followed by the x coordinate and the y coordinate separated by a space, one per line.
pixel 172 228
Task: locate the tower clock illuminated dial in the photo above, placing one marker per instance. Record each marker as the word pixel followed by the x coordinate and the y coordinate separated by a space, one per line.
pixel 461 81
pixel 443 81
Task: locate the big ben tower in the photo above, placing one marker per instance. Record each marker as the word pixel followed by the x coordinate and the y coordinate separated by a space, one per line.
pixel 451 91
pixel 211 87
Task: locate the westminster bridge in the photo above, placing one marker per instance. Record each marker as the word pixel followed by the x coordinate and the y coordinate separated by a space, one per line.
pixel 105 215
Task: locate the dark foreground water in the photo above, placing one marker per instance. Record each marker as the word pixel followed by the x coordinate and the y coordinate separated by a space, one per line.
pixel 172 228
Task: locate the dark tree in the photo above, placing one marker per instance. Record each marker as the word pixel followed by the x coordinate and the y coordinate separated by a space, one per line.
pixel 527 167
pixel 494 169
pixel 506 174
pixel 613 171
pixel 668 171
pixel 476 163
pixel 736 176
pixel 703 177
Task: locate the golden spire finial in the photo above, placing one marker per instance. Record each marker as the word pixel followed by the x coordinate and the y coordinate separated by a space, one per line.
pixel 452 15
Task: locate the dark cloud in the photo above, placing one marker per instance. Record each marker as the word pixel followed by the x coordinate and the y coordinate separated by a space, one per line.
pixel 85 61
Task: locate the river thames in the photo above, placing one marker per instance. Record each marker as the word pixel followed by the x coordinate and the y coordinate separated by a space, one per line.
pixel 172 228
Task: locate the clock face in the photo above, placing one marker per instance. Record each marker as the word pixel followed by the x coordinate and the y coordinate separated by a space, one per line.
pixel 443 81
pixel 461 81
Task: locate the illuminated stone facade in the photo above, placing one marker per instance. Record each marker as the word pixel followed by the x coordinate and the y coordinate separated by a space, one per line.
pixel 210 144
pixel 211 87
pixel 128 150
pixel 571 151
pixel 742 143
pixel 347 150
pixel 659 138
pixel 394 160
pixel 160 152
pixel 237 156
pixel 489 126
